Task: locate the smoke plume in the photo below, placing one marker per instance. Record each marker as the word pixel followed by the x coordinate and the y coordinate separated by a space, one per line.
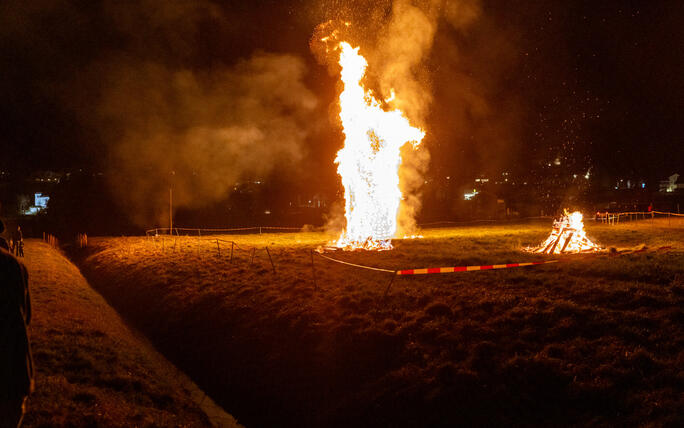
pixel 173 118
pixel 200 133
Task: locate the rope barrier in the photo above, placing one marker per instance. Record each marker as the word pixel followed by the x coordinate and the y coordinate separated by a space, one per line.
pixel 445 222
pixel 236 229
pixel 355 265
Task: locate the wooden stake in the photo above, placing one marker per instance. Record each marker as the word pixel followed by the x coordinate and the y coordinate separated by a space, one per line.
pixel 271 259
pixel 253 253
pixel 313 271
pixel 394 275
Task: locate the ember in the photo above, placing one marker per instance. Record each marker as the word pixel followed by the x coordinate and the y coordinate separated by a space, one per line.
pixel 567 236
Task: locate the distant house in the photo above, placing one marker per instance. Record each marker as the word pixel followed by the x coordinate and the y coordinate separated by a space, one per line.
pixel 671 185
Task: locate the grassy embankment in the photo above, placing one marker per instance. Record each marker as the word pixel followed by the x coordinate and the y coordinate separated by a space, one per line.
pixel 596 339
pixel 90 369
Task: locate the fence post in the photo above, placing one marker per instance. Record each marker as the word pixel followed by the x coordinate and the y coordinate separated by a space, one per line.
pixel 313 270
pixel 253 253
pixel 394 275
pixel 271 259
pixel 260 232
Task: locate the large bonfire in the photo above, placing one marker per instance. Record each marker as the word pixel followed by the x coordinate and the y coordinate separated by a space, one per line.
pixel 567 236
pixel 369 161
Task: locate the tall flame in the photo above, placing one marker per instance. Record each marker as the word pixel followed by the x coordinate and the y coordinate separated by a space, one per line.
pixel 369 161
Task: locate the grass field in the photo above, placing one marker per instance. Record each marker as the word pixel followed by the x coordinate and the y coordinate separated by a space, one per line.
pixel 90 369
pixel 595 339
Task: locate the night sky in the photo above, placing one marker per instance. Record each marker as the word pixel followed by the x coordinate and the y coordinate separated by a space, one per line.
pixel 597 84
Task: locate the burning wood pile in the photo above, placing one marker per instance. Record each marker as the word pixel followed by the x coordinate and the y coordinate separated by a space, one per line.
pixel 568 236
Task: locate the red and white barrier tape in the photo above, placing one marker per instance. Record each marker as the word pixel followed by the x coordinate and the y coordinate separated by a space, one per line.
pixel 469 268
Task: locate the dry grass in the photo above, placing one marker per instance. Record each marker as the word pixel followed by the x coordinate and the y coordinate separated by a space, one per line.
pixel 596 339
pixel 90 369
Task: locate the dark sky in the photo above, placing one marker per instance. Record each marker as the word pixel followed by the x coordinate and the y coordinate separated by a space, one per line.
pixel 596 83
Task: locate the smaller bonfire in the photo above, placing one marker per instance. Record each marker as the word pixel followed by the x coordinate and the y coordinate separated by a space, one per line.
pixel 567 236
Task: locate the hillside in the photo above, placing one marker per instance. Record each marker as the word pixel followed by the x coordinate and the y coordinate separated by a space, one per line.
pixel 91 370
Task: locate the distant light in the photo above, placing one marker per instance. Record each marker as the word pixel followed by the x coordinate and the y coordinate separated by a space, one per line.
pixel 469 196
pixel 643 185
pixel 267 212
pixel 41 201
pixel 448 177
pixel 574 175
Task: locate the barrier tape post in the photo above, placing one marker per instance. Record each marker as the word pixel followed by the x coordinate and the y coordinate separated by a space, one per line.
pixel 313 269
pixel 251 260
pixel 389 285
pixel 271 259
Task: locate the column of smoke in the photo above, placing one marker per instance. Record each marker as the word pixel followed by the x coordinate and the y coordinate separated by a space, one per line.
pixel 199 129
pixel 396 46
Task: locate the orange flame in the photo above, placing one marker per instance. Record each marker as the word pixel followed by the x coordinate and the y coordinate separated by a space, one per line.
pixel 567 236
pixel 369 161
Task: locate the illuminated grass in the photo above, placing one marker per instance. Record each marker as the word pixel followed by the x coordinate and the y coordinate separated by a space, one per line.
pixel 593 339
pixel 90 369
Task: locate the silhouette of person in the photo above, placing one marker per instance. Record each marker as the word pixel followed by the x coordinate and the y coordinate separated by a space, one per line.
pixel 16 363
pixel 3 242
pixel 18 242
